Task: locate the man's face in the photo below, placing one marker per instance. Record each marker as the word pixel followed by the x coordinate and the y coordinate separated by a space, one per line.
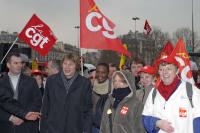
pixel 146 79
pixel 101 74
pixel 135 67
pixel 167 73
pixel 49 69
pixel 69 68
pixel 15 65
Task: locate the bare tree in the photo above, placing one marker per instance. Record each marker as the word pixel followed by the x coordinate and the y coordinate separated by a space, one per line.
pixel 159 38
pixel 186 34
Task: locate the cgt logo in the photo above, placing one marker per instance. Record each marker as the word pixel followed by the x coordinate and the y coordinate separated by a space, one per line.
pixel 36 37
pixel 104 25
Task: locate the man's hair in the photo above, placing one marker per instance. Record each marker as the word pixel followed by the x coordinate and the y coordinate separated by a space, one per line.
pixel 104 65
pixel 55 64
pixel 114 65
pixel 8 58
pixel 137 61
pixel 73 57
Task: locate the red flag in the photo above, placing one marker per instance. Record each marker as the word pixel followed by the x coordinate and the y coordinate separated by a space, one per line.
pixel 96 30
pixel 166 51
pixel 38 35
pixel 181 55
pixel 147 27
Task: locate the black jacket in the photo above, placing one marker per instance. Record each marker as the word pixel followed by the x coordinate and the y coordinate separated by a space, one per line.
pixel 64 112
pixel 29 99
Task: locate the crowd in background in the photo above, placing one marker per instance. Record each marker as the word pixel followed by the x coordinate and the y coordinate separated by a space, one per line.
pixel 104 100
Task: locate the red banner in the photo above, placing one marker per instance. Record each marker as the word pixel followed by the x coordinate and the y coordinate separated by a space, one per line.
pixel 181 55
pixel 96 30
pixel 147 27
pixel 38 35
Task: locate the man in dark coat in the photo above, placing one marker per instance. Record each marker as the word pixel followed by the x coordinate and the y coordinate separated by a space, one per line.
pixel 24 90
pixel 67 104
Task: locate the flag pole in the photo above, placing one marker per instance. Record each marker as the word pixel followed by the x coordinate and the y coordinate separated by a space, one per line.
pixel 79 38
pixel 9 50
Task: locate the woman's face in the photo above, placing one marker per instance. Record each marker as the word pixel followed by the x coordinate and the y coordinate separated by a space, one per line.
pixel 167 73
pixel 146 79
pixel 118 82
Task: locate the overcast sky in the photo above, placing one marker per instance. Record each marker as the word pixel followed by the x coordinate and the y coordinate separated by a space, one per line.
pixel 63 15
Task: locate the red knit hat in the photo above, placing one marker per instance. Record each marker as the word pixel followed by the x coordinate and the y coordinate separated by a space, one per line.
pixel 148 69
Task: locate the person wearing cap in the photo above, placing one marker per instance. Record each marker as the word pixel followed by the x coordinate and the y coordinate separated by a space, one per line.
pixel 146 82
pixel 168 109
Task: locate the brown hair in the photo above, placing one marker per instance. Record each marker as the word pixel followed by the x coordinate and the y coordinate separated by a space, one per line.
pixel 73 57
pixel 121 77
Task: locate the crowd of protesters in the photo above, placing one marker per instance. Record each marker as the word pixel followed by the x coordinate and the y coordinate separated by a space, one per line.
pixel 58 99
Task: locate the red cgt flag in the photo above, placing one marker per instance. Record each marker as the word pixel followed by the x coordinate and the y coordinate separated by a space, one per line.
pixel 181 55
pixel 147 27
pixel 38 35
pixel 96 30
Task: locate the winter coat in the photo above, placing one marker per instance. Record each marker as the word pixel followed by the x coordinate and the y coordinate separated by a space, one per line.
pixel 29 99
pixel 143 93
pixel 177 110
pixel 67 111
pixel 126 118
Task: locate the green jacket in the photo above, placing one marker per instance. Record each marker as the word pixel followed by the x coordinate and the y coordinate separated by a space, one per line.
pixel 126 118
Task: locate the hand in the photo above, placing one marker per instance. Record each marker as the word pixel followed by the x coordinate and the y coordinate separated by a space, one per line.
pixel 32 116
pixel 15 120
pixel 165 126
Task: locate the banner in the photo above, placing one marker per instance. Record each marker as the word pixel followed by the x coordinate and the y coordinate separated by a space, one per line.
pixel 122 62
pixel 38 35
pixel 147 27
pixel 181 55
pixel 96 30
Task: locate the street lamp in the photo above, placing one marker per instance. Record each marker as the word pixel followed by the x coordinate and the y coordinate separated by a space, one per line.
pixel 135 19
pixel 192 29
pixel 77 27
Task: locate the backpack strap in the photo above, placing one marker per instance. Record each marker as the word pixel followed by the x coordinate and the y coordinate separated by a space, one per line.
pixel 110 118
pixel 189 92
pixel 154 95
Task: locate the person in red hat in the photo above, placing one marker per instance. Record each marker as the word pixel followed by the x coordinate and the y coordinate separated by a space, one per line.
pixel 38 75
pixel 174 105
pixel 146 82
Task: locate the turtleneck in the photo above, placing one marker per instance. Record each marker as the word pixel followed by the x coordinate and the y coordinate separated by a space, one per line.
pixel 167 90
pixel 101 88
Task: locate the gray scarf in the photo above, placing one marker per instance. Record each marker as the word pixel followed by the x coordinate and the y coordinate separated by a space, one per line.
pixel 68 82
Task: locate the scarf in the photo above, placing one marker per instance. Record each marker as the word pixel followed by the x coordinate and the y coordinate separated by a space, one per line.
pixel 68 82
pixel 119 94
pixel 167 90
pixel 101 88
